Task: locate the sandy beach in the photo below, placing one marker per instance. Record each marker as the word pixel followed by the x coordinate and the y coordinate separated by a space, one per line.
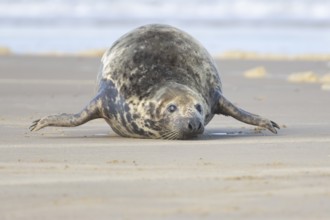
pixel 233 171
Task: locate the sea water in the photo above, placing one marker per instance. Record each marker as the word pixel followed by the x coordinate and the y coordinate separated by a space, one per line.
pixel 266 26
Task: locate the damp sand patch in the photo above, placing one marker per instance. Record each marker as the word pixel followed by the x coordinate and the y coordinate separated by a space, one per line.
pixel 4 51
pixel 304 77
pixel 311 77
pixel 256 73
pixel 250 55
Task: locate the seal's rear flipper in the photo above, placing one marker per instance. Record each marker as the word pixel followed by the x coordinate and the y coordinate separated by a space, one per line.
pixel 90 112
pixel 225 107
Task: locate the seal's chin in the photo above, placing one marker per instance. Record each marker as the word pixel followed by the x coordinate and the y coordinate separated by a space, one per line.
pixel 182 134
pixel 192 133
pixel 189 136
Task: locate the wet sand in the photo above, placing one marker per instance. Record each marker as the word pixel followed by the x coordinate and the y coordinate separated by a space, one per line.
pixel 233 171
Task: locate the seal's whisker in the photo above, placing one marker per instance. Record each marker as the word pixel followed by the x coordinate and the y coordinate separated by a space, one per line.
pixel 164 135
pixel 173 135
pixel 170 135
pixel 176 135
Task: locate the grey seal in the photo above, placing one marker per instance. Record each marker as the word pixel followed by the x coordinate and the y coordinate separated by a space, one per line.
pixel 157 82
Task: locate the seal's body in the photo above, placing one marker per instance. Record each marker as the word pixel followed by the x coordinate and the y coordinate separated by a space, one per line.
pixel 157 82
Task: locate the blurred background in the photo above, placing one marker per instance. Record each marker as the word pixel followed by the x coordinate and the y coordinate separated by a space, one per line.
pixel 70 26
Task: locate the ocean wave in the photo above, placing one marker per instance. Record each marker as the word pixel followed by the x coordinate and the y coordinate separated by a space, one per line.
pixel 281 26
pixel 103 11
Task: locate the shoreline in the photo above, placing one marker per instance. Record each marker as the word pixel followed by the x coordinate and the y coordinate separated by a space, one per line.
pixel 231 55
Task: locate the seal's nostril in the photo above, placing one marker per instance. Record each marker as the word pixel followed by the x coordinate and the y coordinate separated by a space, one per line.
pixel 190 126
pixel 199 126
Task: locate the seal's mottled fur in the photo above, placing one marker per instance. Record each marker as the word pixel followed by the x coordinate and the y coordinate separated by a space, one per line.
pixel 157 82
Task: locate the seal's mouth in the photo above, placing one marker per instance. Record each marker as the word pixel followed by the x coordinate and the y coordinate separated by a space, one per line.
pixel 188 136
pixel 184 133
pixel 193 133
pixel 178 136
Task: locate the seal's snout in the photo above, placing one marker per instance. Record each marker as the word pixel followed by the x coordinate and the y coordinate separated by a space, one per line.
pixel 195 126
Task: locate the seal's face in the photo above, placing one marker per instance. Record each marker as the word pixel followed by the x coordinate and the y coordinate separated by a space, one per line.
pixel 182 113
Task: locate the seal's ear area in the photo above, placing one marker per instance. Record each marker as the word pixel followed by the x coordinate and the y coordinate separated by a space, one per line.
pixel 225 107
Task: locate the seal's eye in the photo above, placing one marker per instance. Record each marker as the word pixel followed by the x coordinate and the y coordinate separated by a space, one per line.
pixel 171 108
pixel 199 108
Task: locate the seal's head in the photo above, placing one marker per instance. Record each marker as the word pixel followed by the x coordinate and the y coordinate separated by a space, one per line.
pixel 181 111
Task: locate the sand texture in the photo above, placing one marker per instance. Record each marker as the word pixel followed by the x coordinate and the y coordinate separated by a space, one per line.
pixel 233 171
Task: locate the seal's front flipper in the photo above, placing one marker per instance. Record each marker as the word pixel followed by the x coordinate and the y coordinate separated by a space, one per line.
pixel 225 107
pixel 90 112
